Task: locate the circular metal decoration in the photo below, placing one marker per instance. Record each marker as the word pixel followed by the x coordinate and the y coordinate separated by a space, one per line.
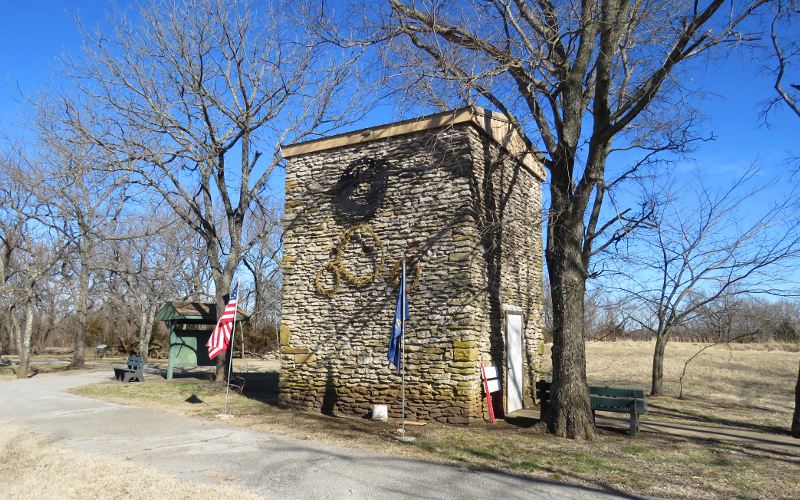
pixel 361 187
pixel 413 266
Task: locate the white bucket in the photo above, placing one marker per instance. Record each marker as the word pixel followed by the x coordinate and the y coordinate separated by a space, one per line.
pixel 380 412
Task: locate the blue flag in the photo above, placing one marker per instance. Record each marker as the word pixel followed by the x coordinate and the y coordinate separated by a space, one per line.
pixel 395 352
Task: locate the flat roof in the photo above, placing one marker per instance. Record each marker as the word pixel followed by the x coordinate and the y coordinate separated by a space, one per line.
pixel 201 312
pixel 494 125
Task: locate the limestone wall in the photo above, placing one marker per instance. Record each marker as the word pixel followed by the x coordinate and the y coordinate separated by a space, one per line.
pixel 334 347
pixel 507 264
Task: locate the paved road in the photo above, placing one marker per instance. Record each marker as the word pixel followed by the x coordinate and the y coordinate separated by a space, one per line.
pixel 270 464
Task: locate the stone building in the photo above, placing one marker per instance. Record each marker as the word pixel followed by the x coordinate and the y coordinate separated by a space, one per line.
pixel 459 196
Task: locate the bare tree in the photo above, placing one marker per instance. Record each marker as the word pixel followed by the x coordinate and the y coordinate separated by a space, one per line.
pixel 786 46
pixel 707 246
pixel 145 266
pixel 578 81
pixel 11 237
pixel 78 200
pixel 736 315
pixel 796 416
pixel 262 263
pixel 11 229
pixel 195 98
pixel 31 249
pixel 34 263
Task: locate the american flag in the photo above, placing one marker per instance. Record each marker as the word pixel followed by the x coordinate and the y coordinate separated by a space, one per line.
pixel 221 336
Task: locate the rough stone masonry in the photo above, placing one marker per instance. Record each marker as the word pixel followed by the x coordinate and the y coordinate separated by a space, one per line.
pixel 459 196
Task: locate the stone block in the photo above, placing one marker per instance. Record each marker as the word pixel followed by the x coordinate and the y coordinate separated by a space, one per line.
pixel 284 334
pixel 465 354
pixel 294 350
pixel 459 256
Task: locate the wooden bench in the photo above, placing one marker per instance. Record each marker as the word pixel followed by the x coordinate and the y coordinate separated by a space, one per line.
pixel 132 371
pixel 612 399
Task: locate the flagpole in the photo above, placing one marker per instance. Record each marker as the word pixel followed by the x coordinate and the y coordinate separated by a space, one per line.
pixel 403 347
pixel 230 357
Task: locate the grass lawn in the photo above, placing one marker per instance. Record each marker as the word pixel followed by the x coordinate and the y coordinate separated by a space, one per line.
pixel 648 465
pixel 750 386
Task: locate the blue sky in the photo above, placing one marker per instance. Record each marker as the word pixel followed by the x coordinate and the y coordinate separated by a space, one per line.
pixel 34 33
pixel 32 36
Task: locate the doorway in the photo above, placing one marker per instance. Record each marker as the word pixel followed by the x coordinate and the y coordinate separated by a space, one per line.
pixel 514 375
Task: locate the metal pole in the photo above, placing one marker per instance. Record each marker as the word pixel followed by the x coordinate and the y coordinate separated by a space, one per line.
pixel 230 356
pixel 403 347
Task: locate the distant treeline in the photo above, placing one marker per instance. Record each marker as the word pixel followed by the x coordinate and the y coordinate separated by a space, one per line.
pixel 728 319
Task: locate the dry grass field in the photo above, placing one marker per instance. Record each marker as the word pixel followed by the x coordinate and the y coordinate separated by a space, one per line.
pixel 743 385
pixel 748 387
pixel 33 467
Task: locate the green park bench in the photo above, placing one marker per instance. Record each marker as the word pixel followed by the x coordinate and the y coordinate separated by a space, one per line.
pixel 611 399
pixel 133 370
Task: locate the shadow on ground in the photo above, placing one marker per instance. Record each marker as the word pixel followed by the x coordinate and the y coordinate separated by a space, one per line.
pixel 657 410
pixel 259 386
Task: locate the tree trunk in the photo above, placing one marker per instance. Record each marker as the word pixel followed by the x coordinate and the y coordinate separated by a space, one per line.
pixel 146 330
pixel 796 418
pixel 144 339
pixel 79 354
pixel 223 288
pixel 25 344
pixel 221 360
pixel 15 335
pixel 657 383
pixel 107 325
pixel 569 412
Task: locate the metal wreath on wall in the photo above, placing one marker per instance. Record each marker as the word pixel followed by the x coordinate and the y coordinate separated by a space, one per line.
pixel 357 195
pixel 361 188
pixel 413 267
pixel 338 268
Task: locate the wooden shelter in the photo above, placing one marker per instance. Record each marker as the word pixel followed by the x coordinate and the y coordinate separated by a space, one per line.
pixel 190 325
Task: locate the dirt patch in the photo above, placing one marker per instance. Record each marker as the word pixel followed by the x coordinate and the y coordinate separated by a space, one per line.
pixel 33 466
pixel 58 364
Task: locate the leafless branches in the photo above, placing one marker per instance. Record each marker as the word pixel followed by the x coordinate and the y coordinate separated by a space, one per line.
pixel 29 252
pixel 704 249
pixel 786 47
pixel 580 83
pixel 193 101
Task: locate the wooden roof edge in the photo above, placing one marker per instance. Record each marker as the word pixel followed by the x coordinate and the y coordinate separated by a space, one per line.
pixel 497 127
pixel 163 315
pixel 493 124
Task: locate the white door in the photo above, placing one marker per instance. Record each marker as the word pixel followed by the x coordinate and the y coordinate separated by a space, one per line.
pixel 513 362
